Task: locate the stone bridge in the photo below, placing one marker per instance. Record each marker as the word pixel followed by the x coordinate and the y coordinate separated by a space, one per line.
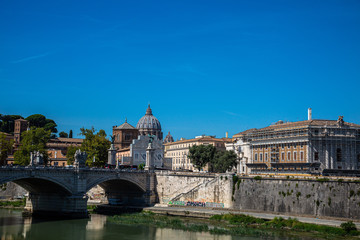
pixel 62 191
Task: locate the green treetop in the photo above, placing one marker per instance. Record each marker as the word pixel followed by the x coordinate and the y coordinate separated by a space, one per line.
pixel 63 134
pixel 96 146
pixel 33 140
pixel 200 155
pixel 224 161
pixel 40 121
pixel 7 123
pixel 5 148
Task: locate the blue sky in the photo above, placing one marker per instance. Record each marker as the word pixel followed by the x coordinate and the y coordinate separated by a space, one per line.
pixel 206 67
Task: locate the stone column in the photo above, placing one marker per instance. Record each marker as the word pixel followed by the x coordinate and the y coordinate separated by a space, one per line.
pixel 310 159
pixel 149 165
pixel 112 155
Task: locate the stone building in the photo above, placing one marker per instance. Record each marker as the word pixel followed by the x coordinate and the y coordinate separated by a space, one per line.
pixel 304 146
pixel 178 151
pixel 20 126
pixel 138 150
pixel 131 143
pixel 124 135
pixel 56 147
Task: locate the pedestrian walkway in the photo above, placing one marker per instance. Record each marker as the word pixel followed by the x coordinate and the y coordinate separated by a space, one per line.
pixel 206 213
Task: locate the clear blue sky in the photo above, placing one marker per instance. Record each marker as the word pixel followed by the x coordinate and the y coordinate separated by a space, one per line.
pixel 206 67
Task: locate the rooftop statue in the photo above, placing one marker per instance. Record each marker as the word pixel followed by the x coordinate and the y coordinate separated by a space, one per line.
pixel 340 121
pixel 112 139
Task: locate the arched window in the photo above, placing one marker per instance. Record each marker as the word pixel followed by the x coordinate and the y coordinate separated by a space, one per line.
pixel 338 155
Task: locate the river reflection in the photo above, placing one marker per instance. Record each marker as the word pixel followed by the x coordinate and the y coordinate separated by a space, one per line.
pixel 13 226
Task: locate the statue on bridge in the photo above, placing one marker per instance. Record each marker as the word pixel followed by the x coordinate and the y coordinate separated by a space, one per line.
pixel 80 159
pixel 36 158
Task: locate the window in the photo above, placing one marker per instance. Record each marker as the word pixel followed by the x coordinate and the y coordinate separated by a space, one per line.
pixel 261 157
pixel 295 156
pixel 255 156
pixel 266 156
pixel 316 156
pixel 136 156
pixel 282 156
pixel 289 156
pixel 358 157
pixel 301 156
pixel 338 155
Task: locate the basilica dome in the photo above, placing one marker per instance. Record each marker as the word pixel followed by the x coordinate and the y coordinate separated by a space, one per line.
pixel 149 124
pixel 168 138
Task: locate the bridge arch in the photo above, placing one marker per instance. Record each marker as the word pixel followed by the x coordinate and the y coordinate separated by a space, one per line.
pixel 122 190
pixel 104 179
pixel 39 184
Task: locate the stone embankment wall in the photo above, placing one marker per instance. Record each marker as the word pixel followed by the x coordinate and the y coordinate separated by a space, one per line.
pixel 194 189
pixel 298 197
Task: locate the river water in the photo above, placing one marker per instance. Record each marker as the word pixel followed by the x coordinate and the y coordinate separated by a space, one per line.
pixel 13 226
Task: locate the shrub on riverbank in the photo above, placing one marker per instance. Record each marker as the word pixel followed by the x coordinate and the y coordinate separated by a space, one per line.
pixel 14 204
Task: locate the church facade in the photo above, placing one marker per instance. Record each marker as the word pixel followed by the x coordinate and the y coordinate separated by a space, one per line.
pixel 132 142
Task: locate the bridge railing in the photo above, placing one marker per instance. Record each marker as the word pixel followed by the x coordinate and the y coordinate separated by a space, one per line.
pixel 93 169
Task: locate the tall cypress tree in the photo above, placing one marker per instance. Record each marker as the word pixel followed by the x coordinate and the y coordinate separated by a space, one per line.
pixel 70 134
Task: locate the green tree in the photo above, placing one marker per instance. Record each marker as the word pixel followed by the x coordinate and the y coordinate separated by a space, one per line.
pixel 200 155
pixel 50 125
pixel 5 148
pixel 63 134
pixel 40 121
pixel 223 161
pixel 33 140
pixel 96 146
pixel 7 123
pixel 70 134
pixel 70 154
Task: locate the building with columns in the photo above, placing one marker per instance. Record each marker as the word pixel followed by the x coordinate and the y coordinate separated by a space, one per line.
pixel 304 146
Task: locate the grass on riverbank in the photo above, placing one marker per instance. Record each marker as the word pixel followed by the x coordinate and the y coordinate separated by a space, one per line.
pixel 239 225
pixel 347 229
pixel 13 204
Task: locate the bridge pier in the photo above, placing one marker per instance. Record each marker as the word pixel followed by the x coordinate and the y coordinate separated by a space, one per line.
pixel 53 205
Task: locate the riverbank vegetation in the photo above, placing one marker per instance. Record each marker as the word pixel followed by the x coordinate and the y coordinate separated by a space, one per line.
pixel 241 225
pixel 13 204
pixel 91 208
